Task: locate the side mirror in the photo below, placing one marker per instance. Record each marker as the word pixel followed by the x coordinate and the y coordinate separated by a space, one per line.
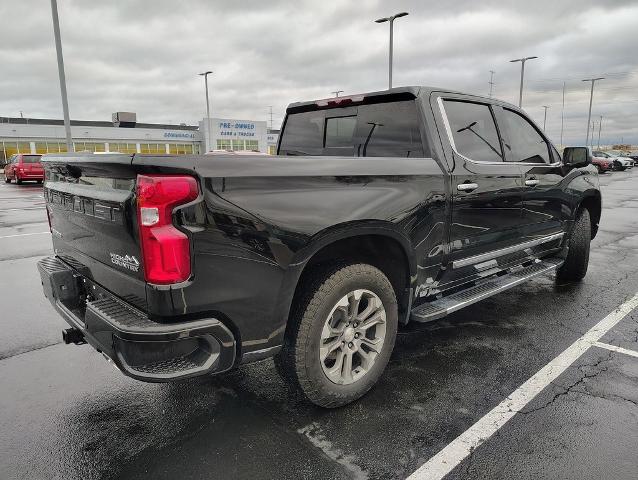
pixel 576 157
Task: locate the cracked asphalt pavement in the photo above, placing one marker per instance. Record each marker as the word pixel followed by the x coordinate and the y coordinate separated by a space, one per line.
pixel 66 413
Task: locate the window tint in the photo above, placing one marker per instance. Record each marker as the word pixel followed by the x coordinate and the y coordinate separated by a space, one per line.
pixel 377 130
pixel 303 134
pixel 522 142
pixel 31 159
pixel 340 130
pixel 388 130
pixel 557 157
pixel 473 130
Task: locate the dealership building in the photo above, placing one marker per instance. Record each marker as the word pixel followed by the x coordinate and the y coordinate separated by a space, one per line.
pixel 239 135
pixel 125 135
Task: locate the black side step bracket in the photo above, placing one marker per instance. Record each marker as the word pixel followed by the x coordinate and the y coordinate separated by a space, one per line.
pixel 442 307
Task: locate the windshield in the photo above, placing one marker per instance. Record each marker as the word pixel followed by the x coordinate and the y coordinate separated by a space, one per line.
pixel 31 158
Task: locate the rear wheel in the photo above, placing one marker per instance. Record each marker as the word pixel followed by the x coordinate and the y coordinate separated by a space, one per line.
pixel 7 179
pixel 575 266
pixel 18 181
pixel 341 334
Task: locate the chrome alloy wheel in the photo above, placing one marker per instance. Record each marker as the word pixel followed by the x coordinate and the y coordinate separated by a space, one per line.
pixel 352 337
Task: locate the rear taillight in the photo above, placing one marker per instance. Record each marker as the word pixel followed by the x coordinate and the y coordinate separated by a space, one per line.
pixel 165 249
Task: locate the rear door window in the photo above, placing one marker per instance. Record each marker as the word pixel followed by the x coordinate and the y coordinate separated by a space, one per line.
pixel 388 130
pixel 473 130
pixel 31 158
pixel 521 140
pixel 377 130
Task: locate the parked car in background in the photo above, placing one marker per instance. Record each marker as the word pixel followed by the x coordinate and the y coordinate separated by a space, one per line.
pixel 623 155
pixel 24 167
pixel 603 164
pixel 620 163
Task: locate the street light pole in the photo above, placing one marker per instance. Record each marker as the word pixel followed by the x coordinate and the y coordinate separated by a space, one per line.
pixel 491 82
pixel 545 116
pixel 391 19
pixel 562 117
pixel 600 126
pixel 591 98
pixel 208 135
pixel 522 60
pixel 337 92
pixel 58 50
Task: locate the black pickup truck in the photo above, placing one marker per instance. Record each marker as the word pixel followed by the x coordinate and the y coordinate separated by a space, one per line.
pixel 380 209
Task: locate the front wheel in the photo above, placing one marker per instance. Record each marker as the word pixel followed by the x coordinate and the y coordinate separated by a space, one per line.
pixel 341 333
pixel 18 181
pixel 7 179
pixel 575 266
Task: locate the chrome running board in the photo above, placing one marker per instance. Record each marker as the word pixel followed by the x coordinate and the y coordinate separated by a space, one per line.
pixel 481 290
pixel 464 262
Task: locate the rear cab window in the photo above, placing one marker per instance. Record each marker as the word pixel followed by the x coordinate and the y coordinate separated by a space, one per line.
pixel 389 129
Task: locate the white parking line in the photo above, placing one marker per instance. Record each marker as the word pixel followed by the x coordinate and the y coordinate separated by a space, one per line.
pixel 614 348
pixel 24 235
pixel 453 454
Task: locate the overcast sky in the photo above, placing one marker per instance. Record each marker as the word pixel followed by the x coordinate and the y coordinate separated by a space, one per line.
pixel 144 56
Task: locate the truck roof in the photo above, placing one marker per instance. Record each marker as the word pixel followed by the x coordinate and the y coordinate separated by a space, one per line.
pixel 397 93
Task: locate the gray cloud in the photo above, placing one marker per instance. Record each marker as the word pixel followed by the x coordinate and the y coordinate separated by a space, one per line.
pixel 144 56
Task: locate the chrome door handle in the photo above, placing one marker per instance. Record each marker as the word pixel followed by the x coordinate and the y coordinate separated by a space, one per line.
pixel 532 182
pixel 466 187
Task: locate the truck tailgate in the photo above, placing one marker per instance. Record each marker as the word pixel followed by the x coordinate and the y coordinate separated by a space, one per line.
pixel 91 205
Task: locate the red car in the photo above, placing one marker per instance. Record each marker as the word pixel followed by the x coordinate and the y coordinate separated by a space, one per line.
pixel 22 167
pixel 603 164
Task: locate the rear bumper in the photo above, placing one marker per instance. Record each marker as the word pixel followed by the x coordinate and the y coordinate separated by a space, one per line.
pixel 139 347
pixel 29 176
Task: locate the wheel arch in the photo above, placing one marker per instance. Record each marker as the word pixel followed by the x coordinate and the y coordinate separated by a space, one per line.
pixel 380 244
pixel 592 201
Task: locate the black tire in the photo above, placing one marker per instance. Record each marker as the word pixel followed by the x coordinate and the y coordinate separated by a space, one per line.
pixel 299 360
pixel 600 169
pixel 575 266
pixel 18 181
pixel 7 180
